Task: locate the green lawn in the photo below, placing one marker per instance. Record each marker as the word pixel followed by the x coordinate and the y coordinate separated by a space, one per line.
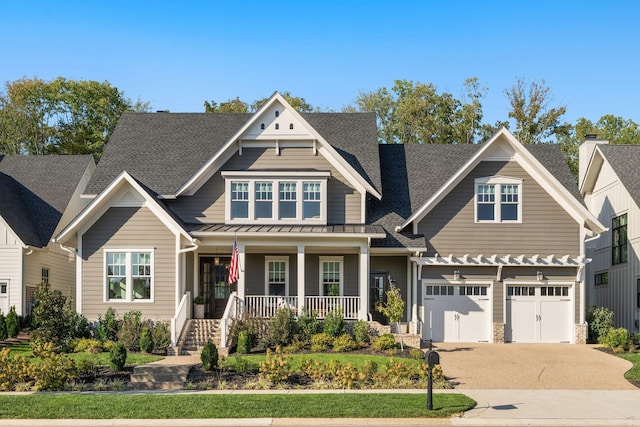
pixel 100 359
pixel 632 374
pixel 108 406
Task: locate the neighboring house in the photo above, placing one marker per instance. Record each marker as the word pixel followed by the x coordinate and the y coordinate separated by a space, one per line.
pixel 38 195
pixel 611 190
pixel 324 217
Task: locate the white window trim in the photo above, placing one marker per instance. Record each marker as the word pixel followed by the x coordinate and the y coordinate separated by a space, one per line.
pixel 497 181
pixel 331 259
pixel 299 179
pixel 42 269
pixel 286 273
pixel 129 276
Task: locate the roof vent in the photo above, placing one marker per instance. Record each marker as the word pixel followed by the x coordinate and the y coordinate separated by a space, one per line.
pixel 591 136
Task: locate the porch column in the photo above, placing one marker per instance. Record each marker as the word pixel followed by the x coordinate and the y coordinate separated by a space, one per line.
pixel 363 286
pixel 414 292
pixel 242 269
pixel 300 267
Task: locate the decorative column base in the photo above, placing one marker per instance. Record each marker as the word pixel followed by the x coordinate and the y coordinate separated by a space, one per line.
pixel 581 333
pixel 498 333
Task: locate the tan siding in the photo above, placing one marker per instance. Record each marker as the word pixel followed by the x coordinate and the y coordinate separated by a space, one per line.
pixel 135 228
pixel 62 271
pixel 207 205
pixel 546 227
pixel 190 274
pixel 498 302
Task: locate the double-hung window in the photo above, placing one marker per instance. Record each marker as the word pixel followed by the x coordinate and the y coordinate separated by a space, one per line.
pixel 619 239
pixel 129 275
pixel 277 276
pixel 498 199
pixel 331 276
pixel 271 198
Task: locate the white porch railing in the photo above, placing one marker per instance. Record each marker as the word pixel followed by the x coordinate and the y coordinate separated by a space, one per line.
pixel 323 305
pixel 182 314
pixel 231 311
pixel 266 306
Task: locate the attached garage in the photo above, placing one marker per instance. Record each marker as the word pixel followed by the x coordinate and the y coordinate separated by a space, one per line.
pixel 457 313
pixel 539 314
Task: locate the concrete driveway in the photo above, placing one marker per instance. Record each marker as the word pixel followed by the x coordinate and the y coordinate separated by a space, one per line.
pixel 532 366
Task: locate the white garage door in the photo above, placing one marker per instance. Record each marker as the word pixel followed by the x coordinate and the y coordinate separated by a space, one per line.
pixel 538 314
pixel 457 313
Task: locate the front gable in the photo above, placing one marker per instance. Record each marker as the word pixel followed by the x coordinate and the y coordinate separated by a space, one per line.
pixel 277 125
pixel 503 147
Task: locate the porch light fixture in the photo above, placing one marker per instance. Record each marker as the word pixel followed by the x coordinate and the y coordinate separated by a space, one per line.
pixel 456 274
pixel 539 275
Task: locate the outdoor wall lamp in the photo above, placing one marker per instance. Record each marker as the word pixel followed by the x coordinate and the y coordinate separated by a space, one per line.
pixel 456 274
pixel 539 275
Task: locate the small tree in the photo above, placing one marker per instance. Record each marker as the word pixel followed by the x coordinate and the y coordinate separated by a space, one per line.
pixel 393 308
pixel 13 323
pixel 3 327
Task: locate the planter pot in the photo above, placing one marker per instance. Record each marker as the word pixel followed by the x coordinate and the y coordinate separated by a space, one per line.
pixel 198 311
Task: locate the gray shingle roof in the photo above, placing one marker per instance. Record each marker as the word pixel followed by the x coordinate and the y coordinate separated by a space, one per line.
pixel 35 191
pixel 164 150
pixel 625 159
pixel 412 173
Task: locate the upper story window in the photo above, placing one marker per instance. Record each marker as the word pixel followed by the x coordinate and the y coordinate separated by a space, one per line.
pixel 498 199
pixel 619 239
pixel 276 198
pixel 129 275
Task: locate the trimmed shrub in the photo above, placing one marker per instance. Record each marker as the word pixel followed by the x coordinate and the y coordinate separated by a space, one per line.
pixel 13 323
pixel 617 338
pixel 3 327
pixel 131 330
pixel 146 340
pixel 118 356
pixel 256 328
pixel 600 320
pixel 321 342
pixel 344 343
pixel 362 332
pixel 209 356
pixel 281 330
pixel 161 335
pixel 244 343
pixel 308 325
pixel 334 324
pixel 384 342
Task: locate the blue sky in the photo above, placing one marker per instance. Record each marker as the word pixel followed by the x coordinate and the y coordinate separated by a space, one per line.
pixel 178 54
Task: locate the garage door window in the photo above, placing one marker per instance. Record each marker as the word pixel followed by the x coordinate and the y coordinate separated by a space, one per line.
pixel 473 290
pixel 439 290
pixel 521 291
pixel 557 291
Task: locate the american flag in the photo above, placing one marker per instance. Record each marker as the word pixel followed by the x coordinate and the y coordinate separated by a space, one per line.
pixel 234 271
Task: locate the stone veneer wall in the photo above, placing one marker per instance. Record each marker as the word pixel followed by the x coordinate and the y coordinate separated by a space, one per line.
pixel 581 333
pixel 498 333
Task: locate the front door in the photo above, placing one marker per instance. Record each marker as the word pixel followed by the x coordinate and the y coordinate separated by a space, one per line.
pixel 214 285
pixel 378 287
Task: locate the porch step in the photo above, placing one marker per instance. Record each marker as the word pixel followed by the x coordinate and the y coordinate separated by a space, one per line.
pixel 159 377
pixel 195 335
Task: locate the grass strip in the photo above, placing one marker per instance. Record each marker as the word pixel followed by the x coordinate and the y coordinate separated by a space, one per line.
pixel 632 374
pixel 165 406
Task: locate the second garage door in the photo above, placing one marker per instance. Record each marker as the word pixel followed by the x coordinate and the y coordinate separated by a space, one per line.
pixel 538 314
pixel 457 313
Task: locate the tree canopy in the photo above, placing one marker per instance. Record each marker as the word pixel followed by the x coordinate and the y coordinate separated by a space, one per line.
pixel 238 106
pixel 60 116
pixel 416 113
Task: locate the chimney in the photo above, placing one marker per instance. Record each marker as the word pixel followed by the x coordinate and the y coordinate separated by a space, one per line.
pixel 585 152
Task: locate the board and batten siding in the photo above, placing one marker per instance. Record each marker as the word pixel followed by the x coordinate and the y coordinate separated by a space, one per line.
pixel 129 228
pixel 546 227
pixel 608 200
pixel 207 205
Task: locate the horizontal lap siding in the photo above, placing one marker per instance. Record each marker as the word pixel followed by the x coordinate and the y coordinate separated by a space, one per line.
pixel 11 271
pixel 62 271
pixel 546 227
pixel 129 228
pixel 396 267
pixel 207 205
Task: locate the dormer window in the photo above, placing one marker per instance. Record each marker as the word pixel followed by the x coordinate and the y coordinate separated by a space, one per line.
pixel 276 197
pixel 498 199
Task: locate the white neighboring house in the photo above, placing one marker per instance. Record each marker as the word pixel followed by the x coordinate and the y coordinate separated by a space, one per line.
pixel 38 195
pixel 608 181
